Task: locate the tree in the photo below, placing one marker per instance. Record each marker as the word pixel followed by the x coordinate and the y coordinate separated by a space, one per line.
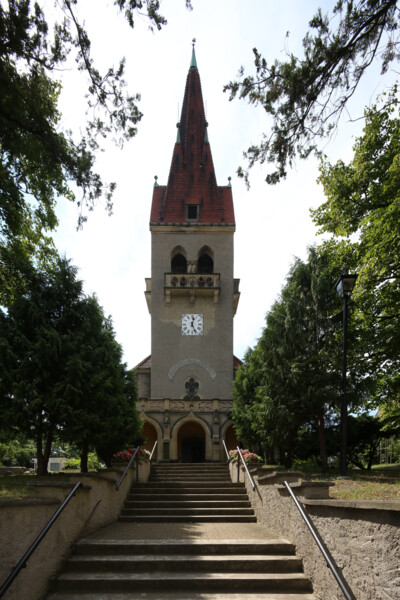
pixel 101 401
pixel 39 162
pixel 365 435
pixel 363 201
pixel 292 379
pixel 248 378
pixel 306 96
pixel 61 370
pixel 36 333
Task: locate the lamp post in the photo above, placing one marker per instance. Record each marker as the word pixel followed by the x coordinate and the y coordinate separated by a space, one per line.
pixel 344 287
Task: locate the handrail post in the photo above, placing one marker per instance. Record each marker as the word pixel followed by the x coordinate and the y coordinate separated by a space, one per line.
pixel 348 594
pixel 35 544
pixel 152 452
pixel 137 467
pixel 226 450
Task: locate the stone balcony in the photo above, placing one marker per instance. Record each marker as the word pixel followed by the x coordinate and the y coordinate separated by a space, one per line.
pixel 192 285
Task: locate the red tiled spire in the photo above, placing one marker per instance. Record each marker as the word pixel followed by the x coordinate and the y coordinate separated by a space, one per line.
pixel 192 182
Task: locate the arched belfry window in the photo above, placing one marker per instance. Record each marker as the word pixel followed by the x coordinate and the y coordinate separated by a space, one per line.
pixel 205 262
pixel 178 261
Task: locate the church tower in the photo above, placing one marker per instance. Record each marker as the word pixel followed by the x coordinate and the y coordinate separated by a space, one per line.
pixel 186 385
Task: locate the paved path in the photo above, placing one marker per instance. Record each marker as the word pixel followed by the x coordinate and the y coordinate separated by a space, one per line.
pixel 185 531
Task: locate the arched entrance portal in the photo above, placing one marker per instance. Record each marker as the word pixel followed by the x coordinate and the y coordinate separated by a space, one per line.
pixel 191 443
pixel 149 432
pixel 231 440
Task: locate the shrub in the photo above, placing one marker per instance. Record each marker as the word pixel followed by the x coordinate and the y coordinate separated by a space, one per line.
pixel 249 457
pixel 72 464
pixel 124 456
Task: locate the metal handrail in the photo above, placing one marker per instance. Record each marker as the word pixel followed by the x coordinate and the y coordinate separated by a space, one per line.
pixel 152 452
pixel 226 450
pixel 117 485
pixel 253 485
pixel 344 586
pixel 35 544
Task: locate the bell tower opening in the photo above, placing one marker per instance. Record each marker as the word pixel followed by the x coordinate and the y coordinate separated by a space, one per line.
pixel 191 443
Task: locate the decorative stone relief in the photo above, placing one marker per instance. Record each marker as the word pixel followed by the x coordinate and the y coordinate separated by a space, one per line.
pixel 203 405
pixel 154 405
pixel 227 404
pixel 178 404
pixel 192 387
pixel 191 361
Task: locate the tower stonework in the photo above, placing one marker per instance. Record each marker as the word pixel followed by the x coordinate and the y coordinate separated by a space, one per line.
pixel 185 386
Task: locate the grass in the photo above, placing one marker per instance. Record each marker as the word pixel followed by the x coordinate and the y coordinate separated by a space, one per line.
pixel 364 489
pixel 381 483
pixel 15 487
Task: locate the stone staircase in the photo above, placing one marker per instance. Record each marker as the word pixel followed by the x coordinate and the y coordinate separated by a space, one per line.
pixel 201 493
pixel 186 565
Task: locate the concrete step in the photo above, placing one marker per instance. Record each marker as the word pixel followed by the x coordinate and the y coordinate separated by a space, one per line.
pixel 214 485
pixel 246 563
pixel 177 469
pixel 183 497
pixel 98 546
pixel 121 581
pixel 187 465
pixel 180 596
pixel 189 519
pixel 182 502
pixel 160 509
pixel 173 477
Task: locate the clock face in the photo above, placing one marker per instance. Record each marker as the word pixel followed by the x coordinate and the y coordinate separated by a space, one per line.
pixel 192 324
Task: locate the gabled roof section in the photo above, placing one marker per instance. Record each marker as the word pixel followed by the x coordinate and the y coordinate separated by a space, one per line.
pixel 192 195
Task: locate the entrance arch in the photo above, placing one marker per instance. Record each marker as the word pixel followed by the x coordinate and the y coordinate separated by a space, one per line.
pixel 230 438
pixel 150 433
pixel 191 443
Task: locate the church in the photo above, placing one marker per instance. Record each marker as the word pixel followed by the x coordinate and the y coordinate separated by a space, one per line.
pixel 185 386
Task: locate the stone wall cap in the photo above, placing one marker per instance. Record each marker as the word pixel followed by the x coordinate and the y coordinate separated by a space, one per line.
pixel 305 483
pixel 94 475
pixel 357 504
pixel 28 501
pixel 56 484
pixel 270 477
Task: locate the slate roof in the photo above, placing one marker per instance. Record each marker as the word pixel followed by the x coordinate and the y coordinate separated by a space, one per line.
pixel 192 179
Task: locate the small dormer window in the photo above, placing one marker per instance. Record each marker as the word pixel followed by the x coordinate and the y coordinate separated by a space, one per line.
pixel 192 212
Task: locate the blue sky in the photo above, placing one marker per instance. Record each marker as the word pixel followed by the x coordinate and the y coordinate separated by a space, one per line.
pixel 273 223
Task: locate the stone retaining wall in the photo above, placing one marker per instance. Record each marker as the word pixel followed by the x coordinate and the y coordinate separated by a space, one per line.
pixel 95 505
pixel 363 537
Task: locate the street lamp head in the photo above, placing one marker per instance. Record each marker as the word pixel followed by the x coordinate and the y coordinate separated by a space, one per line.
pixel 345 284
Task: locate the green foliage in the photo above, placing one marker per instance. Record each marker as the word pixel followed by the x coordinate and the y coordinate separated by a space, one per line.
pixel 17 452
pixel 61 370
pixel 305 96
pixel 363 200
pixel 39 161
pixel 73 464
pixel 365 432
pixel 291 381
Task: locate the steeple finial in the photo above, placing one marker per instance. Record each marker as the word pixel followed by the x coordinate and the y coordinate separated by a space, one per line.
pixel 193 63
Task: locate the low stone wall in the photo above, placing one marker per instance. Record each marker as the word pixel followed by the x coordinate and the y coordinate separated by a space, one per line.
pixel 95 505
pixel 362 537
